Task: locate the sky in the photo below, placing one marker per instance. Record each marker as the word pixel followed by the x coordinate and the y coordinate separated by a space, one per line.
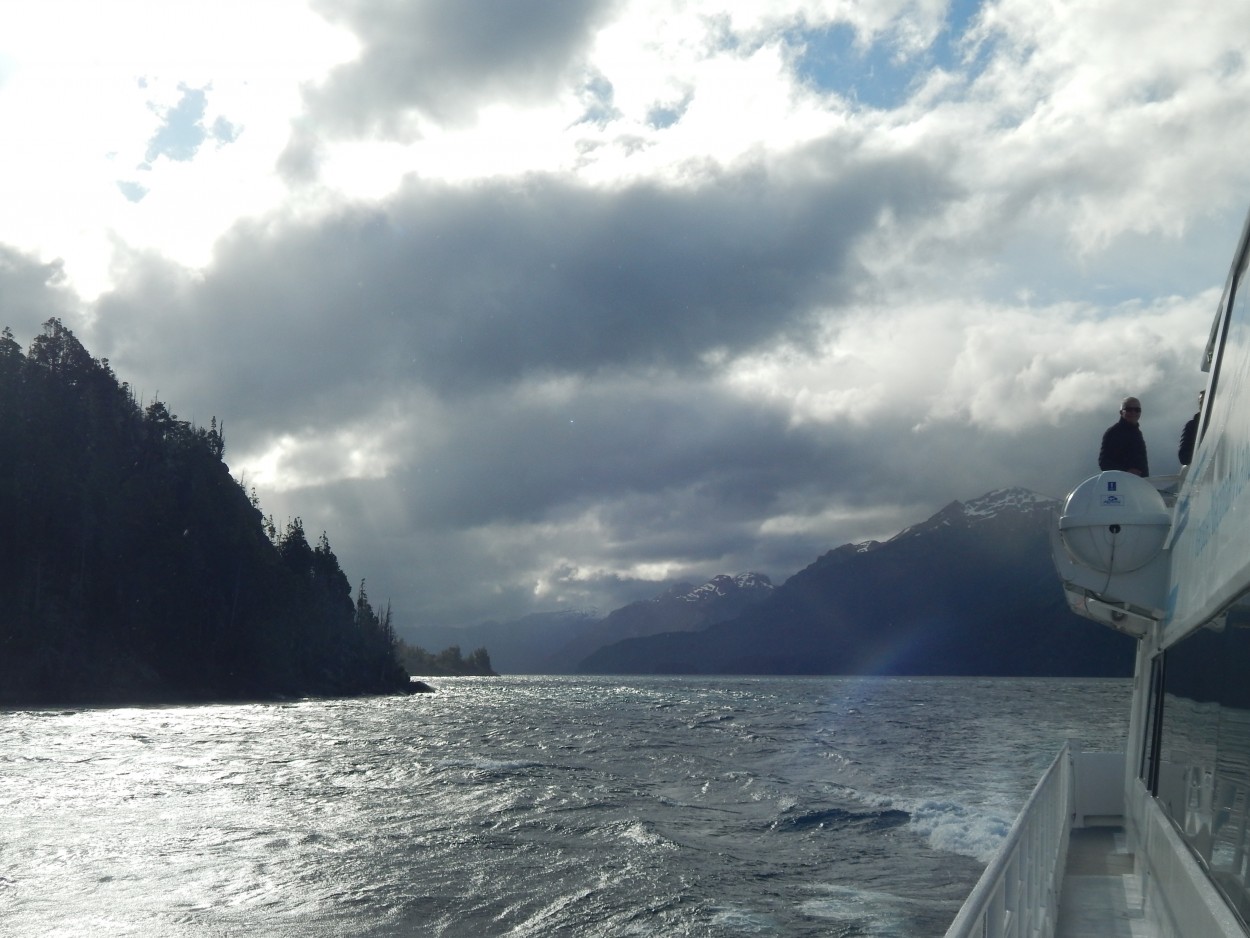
pixel 540 306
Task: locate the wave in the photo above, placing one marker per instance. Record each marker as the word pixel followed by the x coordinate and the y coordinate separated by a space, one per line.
pixel 946 825
pixel 865 912
pixel 875 820
pixel 958 828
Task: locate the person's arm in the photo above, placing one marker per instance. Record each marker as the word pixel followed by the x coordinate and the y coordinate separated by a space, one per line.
pixel 1189 433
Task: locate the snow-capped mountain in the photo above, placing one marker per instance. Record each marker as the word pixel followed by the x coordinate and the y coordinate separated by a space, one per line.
pixel 1007 500
pixel 681 608
pixel 1009 506
pixel 754 584
pixel 554 643
pixel 970 590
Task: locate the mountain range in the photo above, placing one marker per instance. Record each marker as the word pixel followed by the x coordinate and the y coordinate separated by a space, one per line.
pixel 557 642
pixel 970 591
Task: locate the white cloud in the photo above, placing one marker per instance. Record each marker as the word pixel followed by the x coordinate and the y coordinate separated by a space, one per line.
pixel 1001 369
pixel 1101 116
pixel 86 101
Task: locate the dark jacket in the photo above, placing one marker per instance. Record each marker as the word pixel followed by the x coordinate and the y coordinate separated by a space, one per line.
pixel 1123 448
pixel 1189 436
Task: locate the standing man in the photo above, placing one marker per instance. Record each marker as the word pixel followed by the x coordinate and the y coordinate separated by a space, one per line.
pixel 1189 436
pixel 1123 447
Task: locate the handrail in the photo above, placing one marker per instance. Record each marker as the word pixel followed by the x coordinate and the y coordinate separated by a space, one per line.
pixel 1017 895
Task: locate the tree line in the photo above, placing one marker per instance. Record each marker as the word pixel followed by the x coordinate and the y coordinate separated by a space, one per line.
pixel 133 566
pixel 448 662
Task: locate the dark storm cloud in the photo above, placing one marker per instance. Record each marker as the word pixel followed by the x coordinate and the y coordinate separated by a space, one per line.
pixel 683 474
pixel 468 290
pixel 31 292
pixel 443 57
pixel 513 461
pixel 670 470
pixel 546 360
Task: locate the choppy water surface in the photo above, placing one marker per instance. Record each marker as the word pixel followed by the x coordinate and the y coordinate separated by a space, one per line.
pixel 532 806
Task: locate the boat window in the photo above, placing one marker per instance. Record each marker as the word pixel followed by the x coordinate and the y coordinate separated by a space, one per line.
pixel 1147 771
pixel 1233 339
pixel 1200 767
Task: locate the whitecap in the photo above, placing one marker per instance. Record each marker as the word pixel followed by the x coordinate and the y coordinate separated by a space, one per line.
pixel 958 828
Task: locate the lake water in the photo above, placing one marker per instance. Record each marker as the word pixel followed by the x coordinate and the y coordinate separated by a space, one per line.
pixel 532 806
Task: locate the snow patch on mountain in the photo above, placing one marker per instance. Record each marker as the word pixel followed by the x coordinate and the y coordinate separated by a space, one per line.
pixel 1009 499
pixel 725 585
pixel 997 504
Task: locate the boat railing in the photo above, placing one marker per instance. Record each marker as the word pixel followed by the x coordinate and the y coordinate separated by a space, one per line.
pixel 1017 895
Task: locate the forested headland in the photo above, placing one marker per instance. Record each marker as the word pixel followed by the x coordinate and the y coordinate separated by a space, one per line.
pixel 134 567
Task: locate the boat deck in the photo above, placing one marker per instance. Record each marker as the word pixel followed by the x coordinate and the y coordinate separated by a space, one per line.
pixel 1100 897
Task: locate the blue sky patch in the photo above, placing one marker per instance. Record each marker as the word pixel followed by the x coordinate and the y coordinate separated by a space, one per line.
pixel 133 191
pixel 831 61
pixel 875 76
pixel 183 131
pixel 947 51
pixel 662 116
pixel 224 131
pixel 598 94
